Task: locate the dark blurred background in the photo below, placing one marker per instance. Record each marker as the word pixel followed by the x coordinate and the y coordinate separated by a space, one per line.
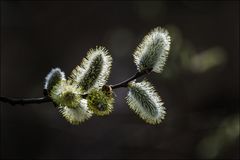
pixel 199 85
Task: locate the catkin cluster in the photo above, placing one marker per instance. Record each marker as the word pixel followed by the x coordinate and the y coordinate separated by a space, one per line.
pixel 85 93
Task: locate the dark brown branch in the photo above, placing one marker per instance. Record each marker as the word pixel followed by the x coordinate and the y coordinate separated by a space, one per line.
pixel 125 83
pixel 24 101
pixel 46 99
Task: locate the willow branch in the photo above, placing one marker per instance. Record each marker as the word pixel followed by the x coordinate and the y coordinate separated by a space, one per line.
pixel 23 101
pixel 46 99
pixel 125 83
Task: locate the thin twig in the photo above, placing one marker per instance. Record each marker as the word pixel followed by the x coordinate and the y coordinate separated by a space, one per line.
pixel 125 83
pixel 46 99
pixel 23 101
